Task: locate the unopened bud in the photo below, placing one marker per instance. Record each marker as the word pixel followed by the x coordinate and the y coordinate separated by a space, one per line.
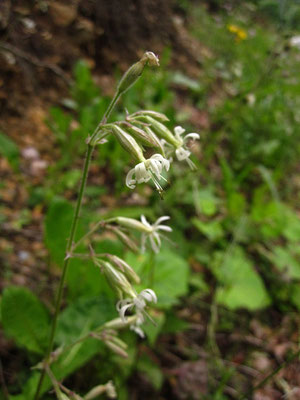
pixel 119 323
pixel 125 239
pixel 160 129
pixel 128 143
pixel 116 279
pixel 124 267
pixel 142 135
pixel 111 390
pixel 136 70
pixel 155 138
pixel 108 388
pixel 116 349
pixel 150 113
pixel 132 224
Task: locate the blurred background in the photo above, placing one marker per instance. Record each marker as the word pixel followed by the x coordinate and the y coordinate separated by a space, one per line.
pixel 228 280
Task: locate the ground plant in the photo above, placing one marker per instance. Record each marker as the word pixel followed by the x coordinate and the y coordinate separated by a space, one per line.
pixel 179 255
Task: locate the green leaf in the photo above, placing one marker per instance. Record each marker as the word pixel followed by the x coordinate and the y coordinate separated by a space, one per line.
pixel 151 370
pixel 241 286
pixel 213 230
pixel 57 228
pixel 25 319
pixel 170 275
pixel 9 150
pixel 170 278
pixel 173 324
pixel 284 260
pixel 75 321
pixel 206 202
pixel 82 316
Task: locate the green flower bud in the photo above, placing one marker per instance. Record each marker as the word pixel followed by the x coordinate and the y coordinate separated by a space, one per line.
pixel 160 129
pixel 125 239
pixel 128 143
pixel 119 323
pixel 116 349
pixel 136 70
pixel 150 113
pixel 131 223
pixel 146 137
pixel 116 279
pixel 124 267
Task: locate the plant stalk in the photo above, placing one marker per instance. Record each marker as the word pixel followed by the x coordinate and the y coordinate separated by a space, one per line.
pixel 66 263
pixel 88 157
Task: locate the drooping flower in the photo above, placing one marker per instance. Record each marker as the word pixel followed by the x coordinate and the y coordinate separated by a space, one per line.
pixel 182 153
pixel 153 234
pixel 138 302
pixel 146 170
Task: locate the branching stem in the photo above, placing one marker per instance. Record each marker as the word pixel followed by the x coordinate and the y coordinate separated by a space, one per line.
pixel 69 248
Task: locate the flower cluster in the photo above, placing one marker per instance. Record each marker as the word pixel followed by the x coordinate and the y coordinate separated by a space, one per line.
pixel 147 128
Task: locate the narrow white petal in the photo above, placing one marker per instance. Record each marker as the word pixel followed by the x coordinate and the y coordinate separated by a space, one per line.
pixel 123 310
pixel 150 293
pixel 164 228
pixel 141 173
pixel 192 136
pixel 155 167
pixel 130 182
pixel 179 130
pixel 145 222
pixel 161 219
pixel 157 238
pixel 154 245
pixel 122 303
pixel 138 331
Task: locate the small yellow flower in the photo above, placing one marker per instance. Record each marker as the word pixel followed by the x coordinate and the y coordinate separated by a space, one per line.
pixel 240 34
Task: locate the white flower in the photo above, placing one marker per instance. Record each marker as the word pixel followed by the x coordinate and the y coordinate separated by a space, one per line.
pixel 139 302
pixel 295 41
pixel 136 327
pixel 181 152
pixel 146 170
pixel 153 234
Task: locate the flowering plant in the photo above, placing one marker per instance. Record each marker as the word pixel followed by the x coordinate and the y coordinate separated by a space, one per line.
pixel 141 129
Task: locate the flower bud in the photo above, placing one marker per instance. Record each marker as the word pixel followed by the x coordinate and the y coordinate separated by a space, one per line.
pixel 124 267
pixel 136 70
pixel 143 135
pixel 161 130
pixel 155 138
pixel 150 113
pixel 108 388
pixel 125 239
pixel 116 349
pixel 128 143
pixel 116 279
pixel 132 224
pixel 119 323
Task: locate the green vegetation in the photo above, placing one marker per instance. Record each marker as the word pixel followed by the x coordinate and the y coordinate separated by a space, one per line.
pixel 236 225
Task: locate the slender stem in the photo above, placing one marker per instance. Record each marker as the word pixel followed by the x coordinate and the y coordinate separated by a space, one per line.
pixel 88 157
pixel 90 232
pixel 66 263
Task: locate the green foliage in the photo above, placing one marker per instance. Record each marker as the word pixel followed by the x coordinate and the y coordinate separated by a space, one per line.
pixel 9 150
pixel 25 319
pixel 57 228
pixel 241 286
